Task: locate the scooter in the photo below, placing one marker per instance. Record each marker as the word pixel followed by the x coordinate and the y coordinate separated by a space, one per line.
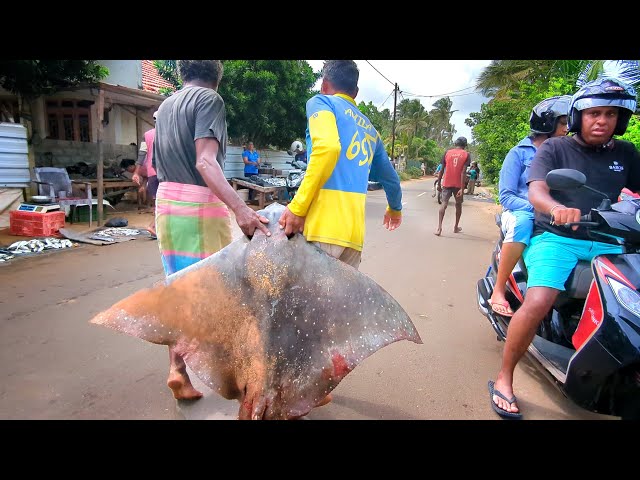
pixel 295 176
pixel 588 345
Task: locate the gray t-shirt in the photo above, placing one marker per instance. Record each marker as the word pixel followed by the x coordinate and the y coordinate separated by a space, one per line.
pixel 189 114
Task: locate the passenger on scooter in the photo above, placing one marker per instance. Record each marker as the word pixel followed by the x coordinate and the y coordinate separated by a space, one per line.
pixel 598 111
pixel 548 119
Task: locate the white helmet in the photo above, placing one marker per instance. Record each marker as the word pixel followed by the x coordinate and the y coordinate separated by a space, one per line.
pixel 296 146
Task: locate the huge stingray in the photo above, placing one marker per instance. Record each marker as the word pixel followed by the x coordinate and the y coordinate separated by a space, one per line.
pixel 273 322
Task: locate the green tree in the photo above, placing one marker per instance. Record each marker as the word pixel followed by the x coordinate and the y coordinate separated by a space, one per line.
pixel 502 123
pixel 381 120
pixel 168 69
pixel 501 77
pixel 441 129
pixel 265 99
pixel 33 78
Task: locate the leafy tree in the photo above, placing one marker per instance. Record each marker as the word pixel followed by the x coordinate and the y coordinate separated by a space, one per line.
pixel 502 123
pixel 442 130
pixel 265 99
pixel 33 78
pixel 168 69
pixel 381 120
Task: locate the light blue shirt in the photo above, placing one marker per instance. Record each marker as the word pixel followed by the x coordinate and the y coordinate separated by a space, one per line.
pixel 512 187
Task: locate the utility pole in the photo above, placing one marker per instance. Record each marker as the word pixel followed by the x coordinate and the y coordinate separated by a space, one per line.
pixel 393 129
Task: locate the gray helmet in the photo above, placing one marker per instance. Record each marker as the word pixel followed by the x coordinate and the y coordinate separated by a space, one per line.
pixel 544 116
pixel 460 142
pixel 603 92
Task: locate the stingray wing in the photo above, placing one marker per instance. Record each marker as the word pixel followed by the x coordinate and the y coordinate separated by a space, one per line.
pixel 274 322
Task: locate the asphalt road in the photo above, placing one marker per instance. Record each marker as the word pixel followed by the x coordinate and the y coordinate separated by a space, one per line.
pixel 55 365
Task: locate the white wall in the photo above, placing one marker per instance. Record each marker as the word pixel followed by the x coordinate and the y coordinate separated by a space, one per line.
pixel 127 73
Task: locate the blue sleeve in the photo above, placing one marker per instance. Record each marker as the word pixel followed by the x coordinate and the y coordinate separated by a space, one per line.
pixel 508 185
pixel 382 171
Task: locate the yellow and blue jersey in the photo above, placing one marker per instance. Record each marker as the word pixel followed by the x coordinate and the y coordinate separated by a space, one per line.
pixel 344 151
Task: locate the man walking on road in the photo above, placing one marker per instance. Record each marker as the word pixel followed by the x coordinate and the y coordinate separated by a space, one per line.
pixel 454 165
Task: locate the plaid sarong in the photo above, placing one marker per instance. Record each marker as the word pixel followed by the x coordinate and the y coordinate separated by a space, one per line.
pixel 191 224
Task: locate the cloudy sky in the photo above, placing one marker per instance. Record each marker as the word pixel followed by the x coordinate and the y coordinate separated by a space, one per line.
pixel 431 79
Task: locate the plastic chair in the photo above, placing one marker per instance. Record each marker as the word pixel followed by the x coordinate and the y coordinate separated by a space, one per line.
pixel 55 183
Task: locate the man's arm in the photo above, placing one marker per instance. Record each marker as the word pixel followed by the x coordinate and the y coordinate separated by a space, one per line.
pixel 383 173
pixel 539 193
pixel 142 156
pixel 508 184
pixel 542 201
pixel 441 172
pixel 245 159
pixel 209 168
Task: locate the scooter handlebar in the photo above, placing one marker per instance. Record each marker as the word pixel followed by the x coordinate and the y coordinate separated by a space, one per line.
pixel 585 221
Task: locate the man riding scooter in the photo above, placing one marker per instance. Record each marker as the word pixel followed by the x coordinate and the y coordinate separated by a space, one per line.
pixel 598 111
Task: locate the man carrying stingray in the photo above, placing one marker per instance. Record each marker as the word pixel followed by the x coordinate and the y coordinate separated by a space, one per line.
pixel 194 198
pixel 344 151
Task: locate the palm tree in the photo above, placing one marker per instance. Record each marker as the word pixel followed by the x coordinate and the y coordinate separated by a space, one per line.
pixel 503 75
pixel 441 120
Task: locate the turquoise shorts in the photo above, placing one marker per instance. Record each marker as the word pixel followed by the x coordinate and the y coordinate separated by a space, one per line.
pixel 550 258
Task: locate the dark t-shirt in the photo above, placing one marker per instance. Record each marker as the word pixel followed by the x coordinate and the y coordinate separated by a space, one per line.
pixel 187 115
pixel 607 170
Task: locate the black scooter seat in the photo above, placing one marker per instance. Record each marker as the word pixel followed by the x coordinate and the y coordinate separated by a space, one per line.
pixel 578 283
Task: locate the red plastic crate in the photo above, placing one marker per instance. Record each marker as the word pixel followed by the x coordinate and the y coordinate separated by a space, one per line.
pixel 35 224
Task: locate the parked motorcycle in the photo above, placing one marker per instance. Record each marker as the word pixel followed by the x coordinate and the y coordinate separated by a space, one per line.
pixel 588 345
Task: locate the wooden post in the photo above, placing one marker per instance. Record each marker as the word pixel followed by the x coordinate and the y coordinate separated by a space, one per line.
pixel 100 158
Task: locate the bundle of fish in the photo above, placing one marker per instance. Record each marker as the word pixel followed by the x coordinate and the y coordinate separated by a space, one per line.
pixel 119 232
pixel 36 246
pixel 274 182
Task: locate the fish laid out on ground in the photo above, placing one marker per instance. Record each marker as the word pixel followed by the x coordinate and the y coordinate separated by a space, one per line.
pixel 273 322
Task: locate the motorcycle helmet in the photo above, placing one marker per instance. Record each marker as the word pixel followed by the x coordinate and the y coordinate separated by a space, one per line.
pixel 296 147
pixel 460 142
pixel 603 92
pixel 544 116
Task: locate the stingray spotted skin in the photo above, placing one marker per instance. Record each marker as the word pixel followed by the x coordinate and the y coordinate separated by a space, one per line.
pixel 273 322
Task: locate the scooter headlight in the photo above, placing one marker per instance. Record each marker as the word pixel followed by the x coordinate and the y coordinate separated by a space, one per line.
pixel 629 298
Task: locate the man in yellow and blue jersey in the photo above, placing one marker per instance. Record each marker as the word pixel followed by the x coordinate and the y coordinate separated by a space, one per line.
pixel 344 152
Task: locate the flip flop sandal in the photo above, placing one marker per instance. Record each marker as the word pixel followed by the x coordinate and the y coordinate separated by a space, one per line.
pixel 507 308
pixel 497 409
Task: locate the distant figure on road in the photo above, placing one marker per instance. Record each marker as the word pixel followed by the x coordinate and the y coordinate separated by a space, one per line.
pixel 454 165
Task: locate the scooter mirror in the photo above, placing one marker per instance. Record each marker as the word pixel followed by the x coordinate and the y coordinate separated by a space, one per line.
pixel 565 179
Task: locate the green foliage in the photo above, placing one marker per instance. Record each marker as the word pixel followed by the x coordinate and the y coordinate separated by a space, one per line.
pixel 502 123
pixel 33 78
pixel 413 172
pixel 633 131
pixel 168 69
pixel 265 99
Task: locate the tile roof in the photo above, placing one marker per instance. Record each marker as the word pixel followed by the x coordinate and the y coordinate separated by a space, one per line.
pixel 152 81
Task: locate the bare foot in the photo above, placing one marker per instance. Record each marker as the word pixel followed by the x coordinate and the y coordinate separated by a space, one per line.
pixel 180 385
pixel 438 232
pixel 457 229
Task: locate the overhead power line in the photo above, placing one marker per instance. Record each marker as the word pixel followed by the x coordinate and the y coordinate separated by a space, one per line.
pixel 442 94
pixel 380 73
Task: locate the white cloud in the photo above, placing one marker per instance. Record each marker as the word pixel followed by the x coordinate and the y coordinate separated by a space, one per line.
pixel 421 77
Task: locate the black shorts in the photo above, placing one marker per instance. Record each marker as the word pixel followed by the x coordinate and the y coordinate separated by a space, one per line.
pixel 447 192
pixel 152 186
